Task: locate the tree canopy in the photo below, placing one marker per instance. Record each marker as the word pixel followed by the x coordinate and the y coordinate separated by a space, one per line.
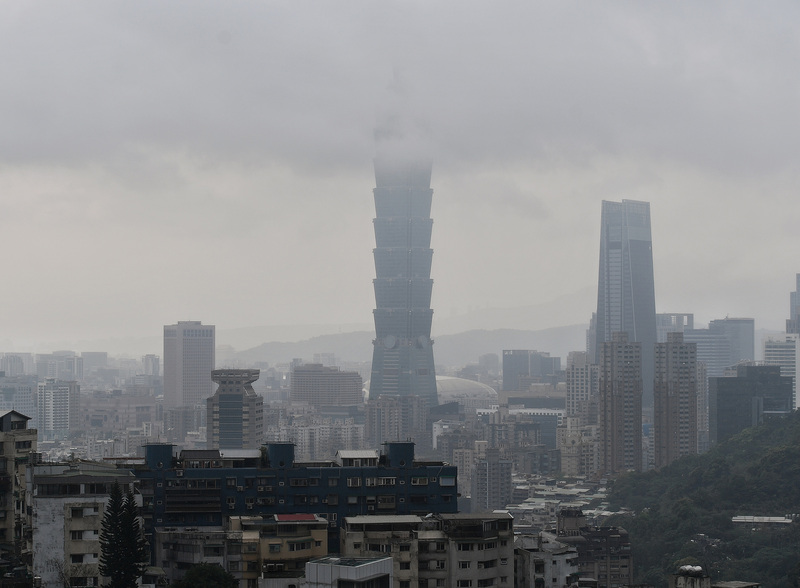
pixel 684 511
pixel 123 550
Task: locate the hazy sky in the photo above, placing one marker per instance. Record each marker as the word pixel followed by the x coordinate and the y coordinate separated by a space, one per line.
pixel 164 161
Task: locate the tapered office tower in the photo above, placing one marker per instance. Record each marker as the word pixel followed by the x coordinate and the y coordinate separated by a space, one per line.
pixel 626 292
pixel 402 360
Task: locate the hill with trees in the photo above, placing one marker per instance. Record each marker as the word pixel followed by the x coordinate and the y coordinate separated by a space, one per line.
pixel 682 514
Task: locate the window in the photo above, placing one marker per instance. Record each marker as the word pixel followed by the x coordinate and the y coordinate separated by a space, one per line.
pixel 464 583
pixel 417 481
pixel 465 547
pixel 463 564
pixel 77 513
pixel 353 482
pixel 233 566
pixel 76 558
pixel 405 584
pixel 440 564
pixel 274 547
pixel 405 565
pixel 405 547
pixel 333 481
pixel 76 535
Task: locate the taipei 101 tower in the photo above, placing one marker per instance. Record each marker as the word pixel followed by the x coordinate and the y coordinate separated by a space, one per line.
pixel 402 360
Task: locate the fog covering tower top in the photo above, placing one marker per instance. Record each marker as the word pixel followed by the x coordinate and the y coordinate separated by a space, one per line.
pixel 402 360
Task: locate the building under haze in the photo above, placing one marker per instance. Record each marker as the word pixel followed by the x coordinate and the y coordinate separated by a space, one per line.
pixel 626 290
pixel 323 386
pixel 235 412
pixel 620 410
pixel 402 360
pixel 793 322
pixel 675 400
pixel 188 362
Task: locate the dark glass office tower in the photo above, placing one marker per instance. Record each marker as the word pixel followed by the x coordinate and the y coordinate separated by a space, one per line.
pixel 626 291
pixel 402 360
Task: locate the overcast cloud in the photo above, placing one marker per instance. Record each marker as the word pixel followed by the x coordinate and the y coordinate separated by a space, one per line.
pixel 164 161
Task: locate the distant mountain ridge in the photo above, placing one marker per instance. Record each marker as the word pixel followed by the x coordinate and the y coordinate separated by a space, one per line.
pixel 450 350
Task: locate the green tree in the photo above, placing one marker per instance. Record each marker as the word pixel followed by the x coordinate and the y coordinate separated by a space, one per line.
pixel 207 575
pixel 123 550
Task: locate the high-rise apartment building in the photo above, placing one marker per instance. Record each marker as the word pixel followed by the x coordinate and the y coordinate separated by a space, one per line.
pixel 675 400
pixel 583 381
pixel 58 408
pixel 323 386
pixel 235 412
pixel 672 322
pixel 620 410
pixel 626 290
pixel 785 352
pixel 491 482
pixel 188 362
pixel 402 361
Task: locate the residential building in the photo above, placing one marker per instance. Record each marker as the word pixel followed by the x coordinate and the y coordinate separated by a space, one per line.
pixel 620 406
pixel 402 361
pixel 543 562
pixel 396 418
pixel 463 550
pixel 604 553
pixel 17 452
pixel 349 572
pixel 322 386
pixel 583 384
pixel 68 504
pixel 756 392
pixel 626 291
pixel 675 391
pixel 197 488
pixel 491 482
pixel 58 408
pixel 235 417
pixel 18 393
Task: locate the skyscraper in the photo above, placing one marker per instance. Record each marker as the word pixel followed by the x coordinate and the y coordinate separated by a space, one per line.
pixel 626 290
pixel 620 410
pixel 188 361
pixel 402 360
pixel 785 352
pixel 793 322
pixel 675 400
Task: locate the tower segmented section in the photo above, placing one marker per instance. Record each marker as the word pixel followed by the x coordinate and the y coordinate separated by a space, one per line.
pixel 402 361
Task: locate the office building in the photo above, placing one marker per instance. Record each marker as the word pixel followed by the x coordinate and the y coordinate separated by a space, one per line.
pixel 672 322
pixel 620 405
pixel 402 361
pixel 322 386
pixel 675 395
pixel 793 322
pixel 188 362
pixel 523 367
pixel 18 393
pixel 740 333
pixel 235 412
pixel 626 291
pixel 785 352
pixel 757 392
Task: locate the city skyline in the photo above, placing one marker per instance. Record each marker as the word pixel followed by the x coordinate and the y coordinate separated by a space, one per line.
pixel 186 144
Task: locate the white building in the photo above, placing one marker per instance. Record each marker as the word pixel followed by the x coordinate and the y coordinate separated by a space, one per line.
pixel 785 352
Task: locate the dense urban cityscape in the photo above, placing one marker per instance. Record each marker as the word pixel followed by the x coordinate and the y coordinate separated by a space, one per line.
pixel 557 347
